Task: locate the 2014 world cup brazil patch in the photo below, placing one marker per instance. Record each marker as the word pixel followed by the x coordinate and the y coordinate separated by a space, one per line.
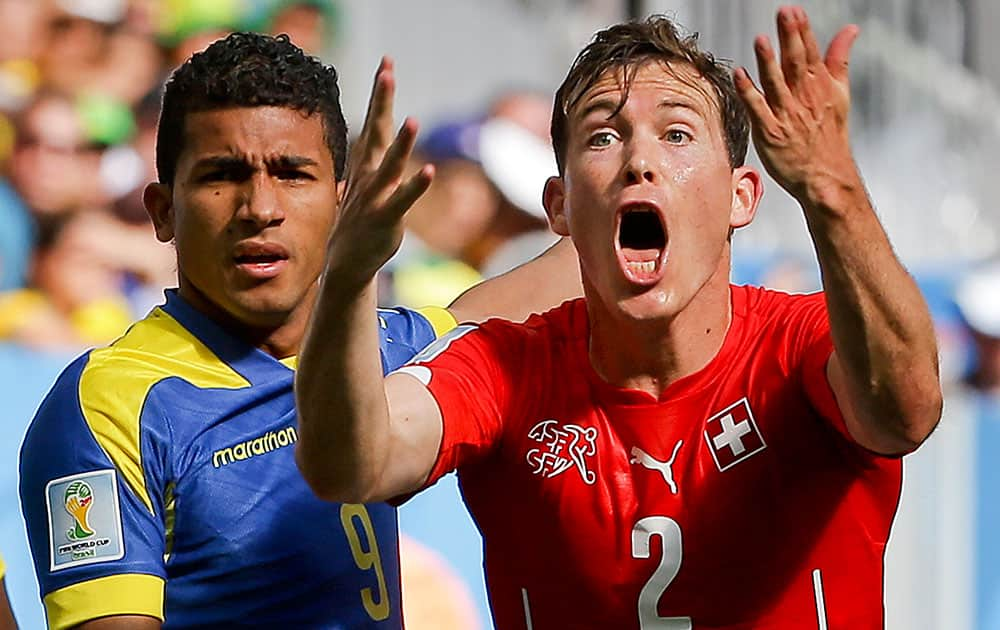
pixel 85 523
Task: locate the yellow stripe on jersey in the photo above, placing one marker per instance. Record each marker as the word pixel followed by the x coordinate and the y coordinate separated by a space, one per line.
pixel 117 379
pixel 441 319
pixel 124 594
pixel 3 568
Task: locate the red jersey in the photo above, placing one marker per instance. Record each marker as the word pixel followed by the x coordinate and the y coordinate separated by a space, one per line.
pixel 737 500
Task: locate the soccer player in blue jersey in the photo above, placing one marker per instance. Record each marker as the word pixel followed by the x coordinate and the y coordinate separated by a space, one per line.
pixel 158 478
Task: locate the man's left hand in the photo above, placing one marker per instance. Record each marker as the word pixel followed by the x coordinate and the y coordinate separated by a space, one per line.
pixel 800 118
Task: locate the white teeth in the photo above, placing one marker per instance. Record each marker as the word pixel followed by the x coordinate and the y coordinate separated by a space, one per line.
pixel 643 267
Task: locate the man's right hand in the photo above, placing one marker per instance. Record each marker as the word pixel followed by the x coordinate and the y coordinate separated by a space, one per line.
pixel 369 227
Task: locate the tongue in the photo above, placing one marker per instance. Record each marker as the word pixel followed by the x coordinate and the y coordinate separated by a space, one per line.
pixel 640 255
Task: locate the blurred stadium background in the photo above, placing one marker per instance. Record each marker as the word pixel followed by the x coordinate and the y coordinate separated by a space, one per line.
pixel 79 84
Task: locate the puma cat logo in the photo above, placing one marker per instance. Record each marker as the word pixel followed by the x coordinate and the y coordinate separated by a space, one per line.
pixel 645 459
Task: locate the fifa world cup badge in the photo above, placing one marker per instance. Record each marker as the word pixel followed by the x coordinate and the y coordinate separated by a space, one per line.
pixel 85 524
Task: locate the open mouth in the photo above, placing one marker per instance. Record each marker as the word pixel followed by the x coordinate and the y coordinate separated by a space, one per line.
pixel 642 240
pixel 260 260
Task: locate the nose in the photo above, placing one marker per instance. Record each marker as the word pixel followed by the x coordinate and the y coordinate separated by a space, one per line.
pixel 639 166
pixel 260 203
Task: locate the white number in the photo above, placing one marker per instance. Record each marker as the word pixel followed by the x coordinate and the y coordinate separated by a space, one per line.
pixel 670 564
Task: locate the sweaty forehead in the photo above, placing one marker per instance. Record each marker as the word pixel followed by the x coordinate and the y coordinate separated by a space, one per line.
pixel 676 81
pixel 260 132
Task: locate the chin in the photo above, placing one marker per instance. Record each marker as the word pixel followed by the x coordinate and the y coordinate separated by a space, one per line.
pixel 265 308
pixel 654 304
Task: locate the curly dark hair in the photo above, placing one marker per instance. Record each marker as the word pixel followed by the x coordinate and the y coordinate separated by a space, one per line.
pixel 627 46
pixel 249 70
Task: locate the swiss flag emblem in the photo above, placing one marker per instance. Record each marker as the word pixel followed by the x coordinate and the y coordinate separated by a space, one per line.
pixel 732 435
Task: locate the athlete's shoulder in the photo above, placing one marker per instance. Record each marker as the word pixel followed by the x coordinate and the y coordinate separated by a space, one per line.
pixel 763 304
pixel 563 322
pixel 154 348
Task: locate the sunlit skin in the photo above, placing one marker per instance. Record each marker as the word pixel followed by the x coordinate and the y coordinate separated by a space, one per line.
pixel 664 150
pixel 252 206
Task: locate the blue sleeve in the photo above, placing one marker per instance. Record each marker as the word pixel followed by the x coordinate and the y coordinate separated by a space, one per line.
pixel 96 530
pixel 403 333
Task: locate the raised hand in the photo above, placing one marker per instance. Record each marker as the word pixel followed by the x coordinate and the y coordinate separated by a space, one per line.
pixel 800 118
pixel 369 227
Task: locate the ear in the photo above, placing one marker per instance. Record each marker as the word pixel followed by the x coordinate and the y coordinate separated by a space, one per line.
pixel 748 188
pixel 158 200
pixel 554 200
pixel 341 189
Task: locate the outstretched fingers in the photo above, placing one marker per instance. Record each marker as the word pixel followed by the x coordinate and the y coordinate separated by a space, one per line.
pixel 793 49
pixel 839 52
pixel 753 98
pixel 813 57
pixel 409 191
pixel 772 79
pixel 377 128
pixel 390 170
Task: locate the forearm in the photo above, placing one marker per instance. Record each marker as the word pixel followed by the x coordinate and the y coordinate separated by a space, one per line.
pixel 883 335
pixel 534 287
pixel 342 410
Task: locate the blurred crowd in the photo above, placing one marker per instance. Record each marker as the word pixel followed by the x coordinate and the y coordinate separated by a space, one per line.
pixel 79 96
pixel 80 84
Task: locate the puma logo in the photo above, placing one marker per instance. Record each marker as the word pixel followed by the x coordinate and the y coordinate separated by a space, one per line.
pixel 645 459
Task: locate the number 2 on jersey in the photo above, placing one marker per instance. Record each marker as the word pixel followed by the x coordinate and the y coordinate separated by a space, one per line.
pixel 366 559
pixel 670 565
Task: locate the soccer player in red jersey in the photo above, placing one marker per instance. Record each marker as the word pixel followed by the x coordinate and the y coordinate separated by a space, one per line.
pixel 671 451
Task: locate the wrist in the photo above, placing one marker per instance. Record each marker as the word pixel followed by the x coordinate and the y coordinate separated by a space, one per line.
pixel 346 278
pixel 833 195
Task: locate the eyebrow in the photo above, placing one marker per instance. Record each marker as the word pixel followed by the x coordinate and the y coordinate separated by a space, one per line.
pixel 601 104
pixel 611 106
pixel 291 161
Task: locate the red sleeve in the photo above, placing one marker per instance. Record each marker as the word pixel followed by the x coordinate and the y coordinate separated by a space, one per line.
pixel 809 349
pixel 469 372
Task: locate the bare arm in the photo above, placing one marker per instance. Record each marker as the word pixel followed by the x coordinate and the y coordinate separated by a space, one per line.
pixel 350 447
pixel 361 439
pixel 884 369
pixel 534 287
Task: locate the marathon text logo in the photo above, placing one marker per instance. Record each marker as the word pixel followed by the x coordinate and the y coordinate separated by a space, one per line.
pixel 270 441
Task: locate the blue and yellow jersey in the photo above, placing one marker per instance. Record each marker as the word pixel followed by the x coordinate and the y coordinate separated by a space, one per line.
pixel 158 478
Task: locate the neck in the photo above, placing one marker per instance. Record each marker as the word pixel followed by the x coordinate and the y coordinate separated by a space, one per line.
pixel 279 335
pixel 650 354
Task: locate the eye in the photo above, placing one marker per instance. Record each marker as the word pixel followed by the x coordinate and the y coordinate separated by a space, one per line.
pixel 601 139
pixel 677 136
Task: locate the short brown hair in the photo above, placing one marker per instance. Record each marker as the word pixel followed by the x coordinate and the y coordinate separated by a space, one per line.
pixel 627 46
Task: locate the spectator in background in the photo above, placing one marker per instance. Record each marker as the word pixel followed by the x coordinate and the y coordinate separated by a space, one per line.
pixel 434 597
pixel 87 258
pixel 978 300
pixel 483 213
pixel 189 26
pixel 311 24
pixel 55 167
pixel 23 37
pixel 974 406
pixel 80 36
